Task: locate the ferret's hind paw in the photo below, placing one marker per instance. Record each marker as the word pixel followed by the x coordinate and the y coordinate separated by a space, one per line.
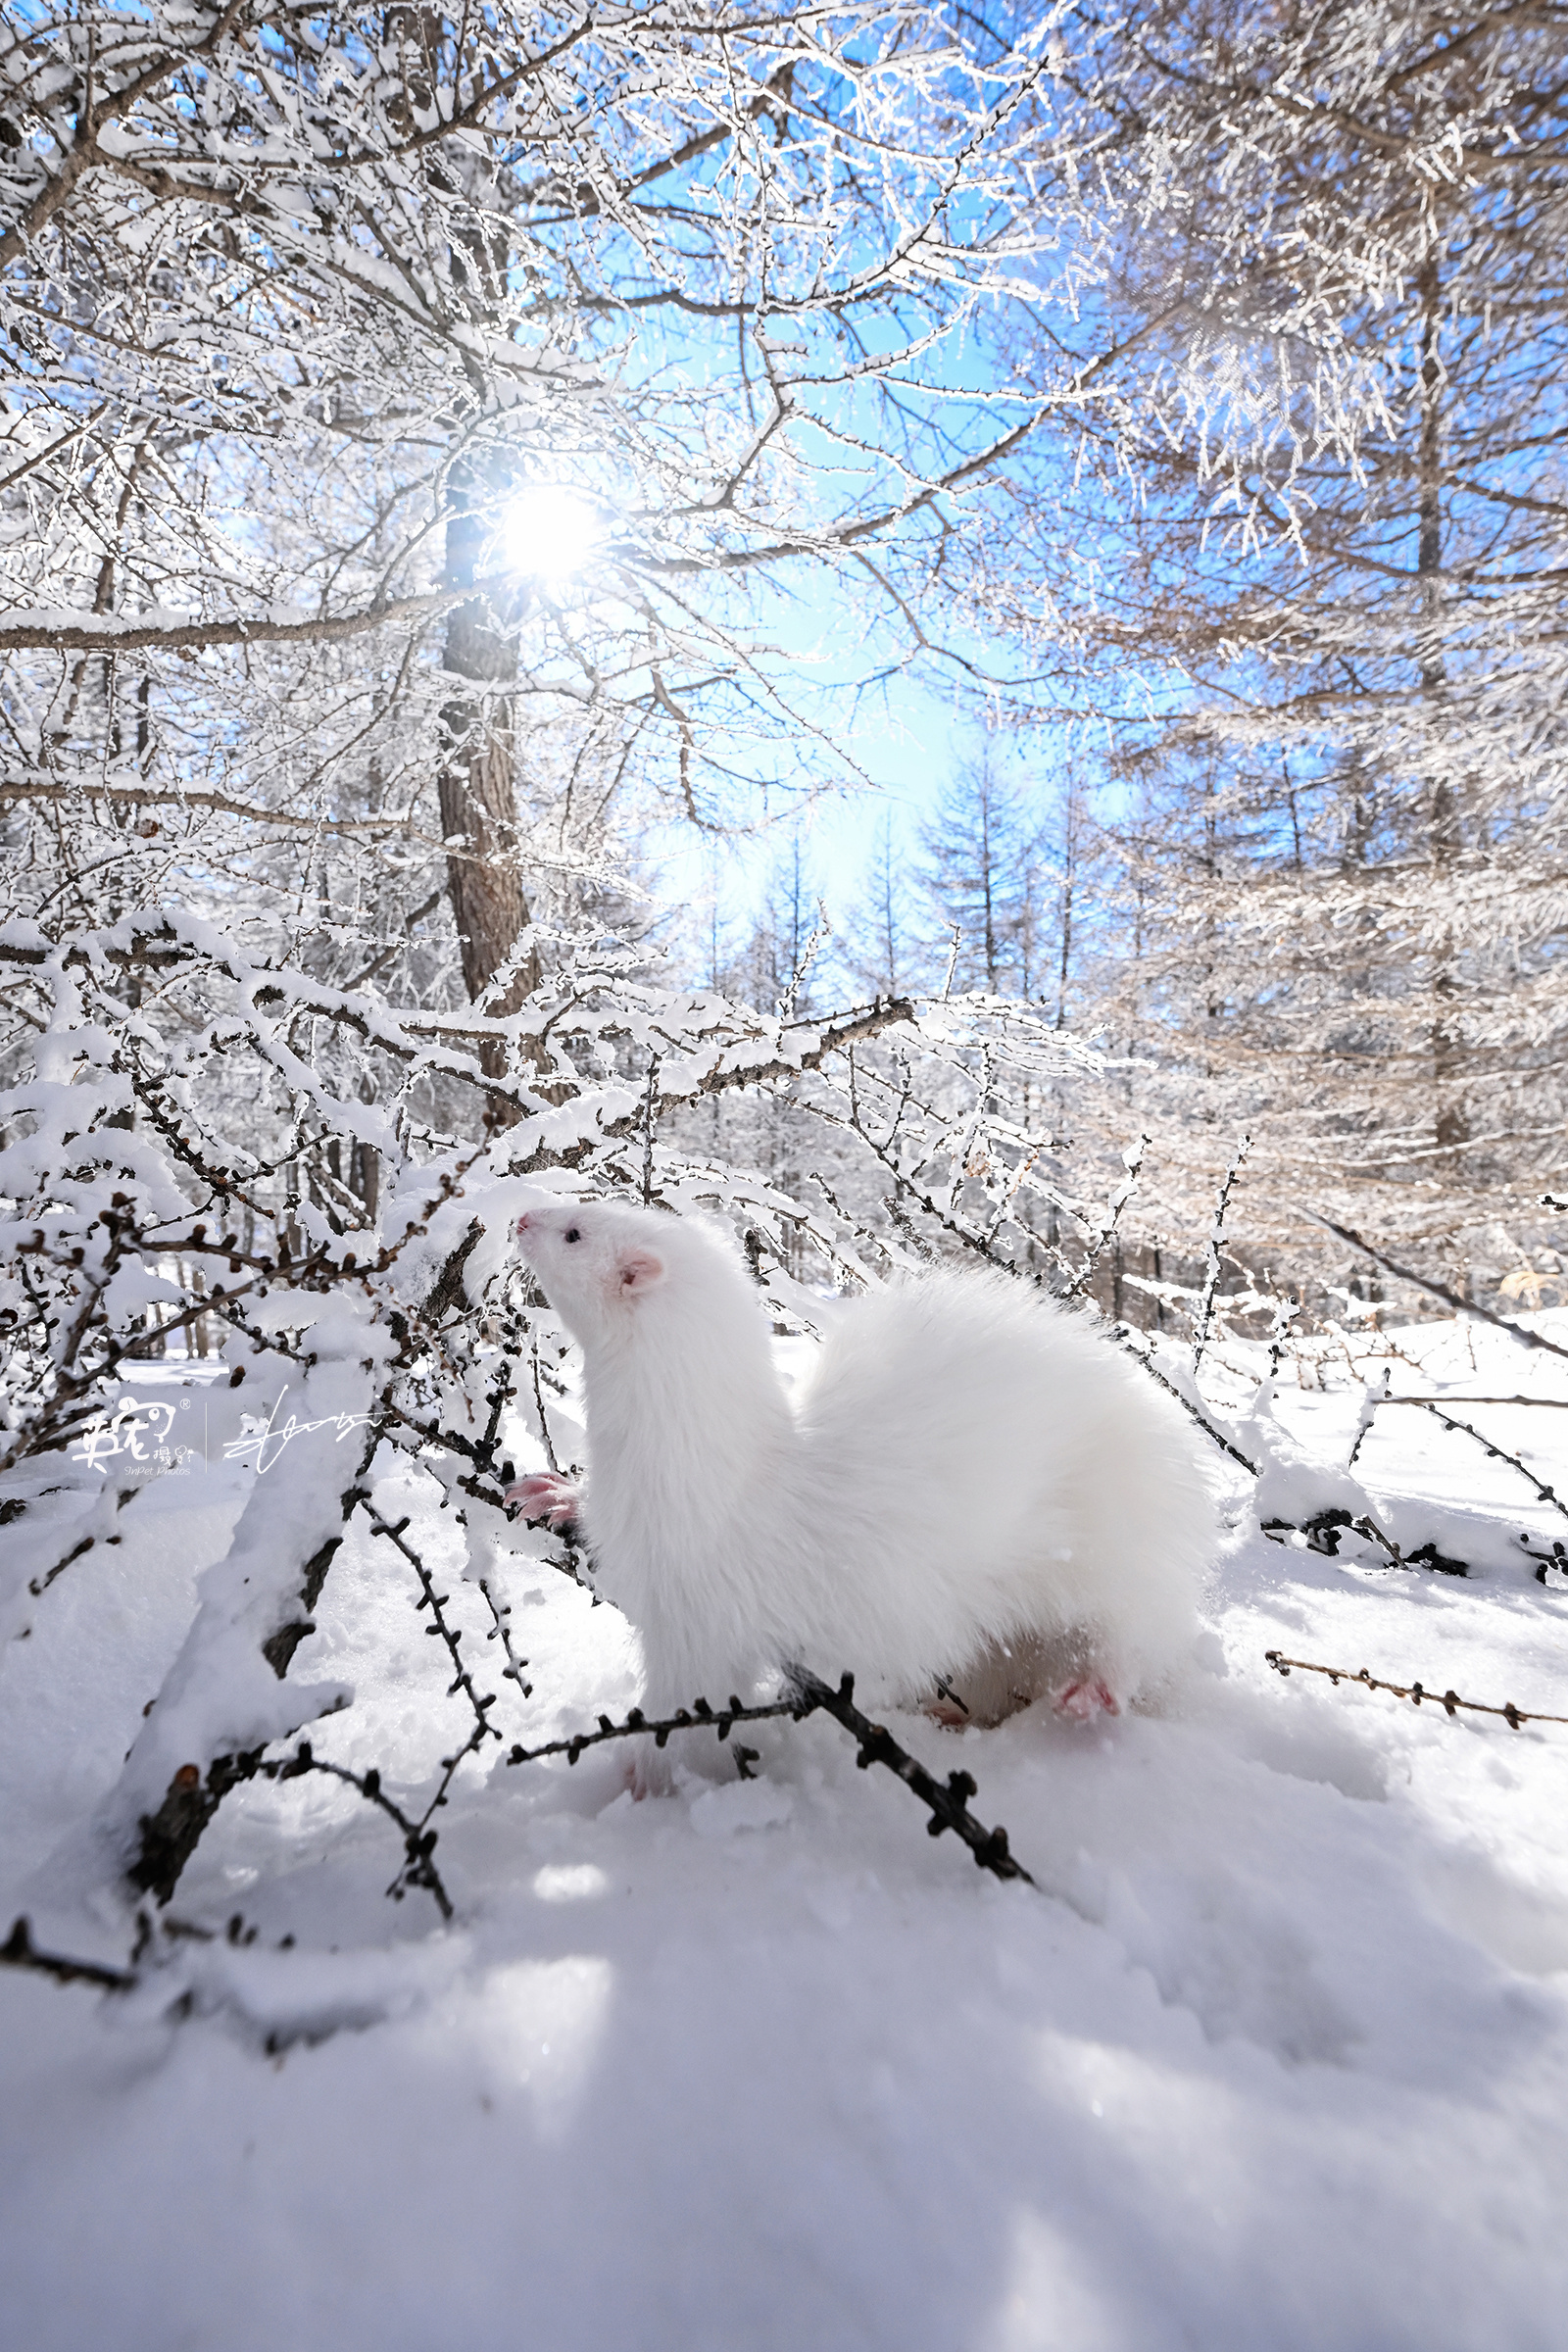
pixel 649 1773
pixel 548 1496
pixel 1086 1698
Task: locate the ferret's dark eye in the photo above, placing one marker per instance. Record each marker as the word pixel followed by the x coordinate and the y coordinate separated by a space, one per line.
pixel 572 1235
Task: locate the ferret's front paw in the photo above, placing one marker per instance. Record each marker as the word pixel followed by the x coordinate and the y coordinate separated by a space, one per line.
pixel 547 1497
pixel 1086 1698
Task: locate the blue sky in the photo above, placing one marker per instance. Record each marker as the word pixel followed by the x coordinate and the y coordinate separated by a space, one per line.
pixel 909 747
pixel 904 733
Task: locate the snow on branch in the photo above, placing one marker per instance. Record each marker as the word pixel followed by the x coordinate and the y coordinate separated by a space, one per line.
pixel 67 632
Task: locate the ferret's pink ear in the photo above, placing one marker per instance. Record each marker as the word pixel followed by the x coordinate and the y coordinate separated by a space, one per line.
pixel 640 1270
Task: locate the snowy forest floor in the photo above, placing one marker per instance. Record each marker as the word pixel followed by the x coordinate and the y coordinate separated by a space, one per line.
pixel 1277 2057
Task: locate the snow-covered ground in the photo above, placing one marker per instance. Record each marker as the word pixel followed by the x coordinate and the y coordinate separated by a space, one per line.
pixel 1276 2058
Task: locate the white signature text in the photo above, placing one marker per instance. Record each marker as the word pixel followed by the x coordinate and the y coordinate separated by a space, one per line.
pixel 266 1440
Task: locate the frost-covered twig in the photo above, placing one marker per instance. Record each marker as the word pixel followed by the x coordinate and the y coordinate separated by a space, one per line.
pixel 820 931
pixel 1132 1160
pixel 1206 1309
pixel 1371 1399
pixel 1450 1700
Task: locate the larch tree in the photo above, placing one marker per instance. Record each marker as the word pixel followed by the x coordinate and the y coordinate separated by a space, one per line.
pixel 1295 574
pixel 880 946
pixel 310 313
pixel 980 872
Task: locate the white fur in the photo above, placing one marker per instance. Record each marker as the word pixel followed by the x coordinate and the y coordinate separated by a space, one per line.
pixel 976 1485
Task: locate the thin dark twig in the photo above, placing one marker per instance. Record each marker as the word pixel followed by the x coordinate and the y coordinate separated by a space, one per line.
pixel 697 1716
pixel 418 1869
pixel 20 1951
pixel 1498 1453
pixel 1123 1340
pixel 942 1800
pixel 1557 1557
pixel 1449 1700
pixel 436 1603
pixel 862 1233
pixel 39 1586
pixel 1557 1403
pixel 649 1121
pixel 1438 1289
pixel 516 1668
pixel 539 1405
pixel 497 1400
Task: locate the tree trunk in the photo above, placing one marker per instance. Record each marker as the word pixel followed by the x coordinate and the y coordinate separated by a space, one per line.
pixel 477 780
pixel 1450 1124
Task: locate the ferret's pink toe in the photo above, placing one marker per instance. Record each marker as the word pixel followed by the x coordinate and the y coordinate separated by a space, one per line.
pixel 546 1496
pixel 1083 1700
pixel 528 1490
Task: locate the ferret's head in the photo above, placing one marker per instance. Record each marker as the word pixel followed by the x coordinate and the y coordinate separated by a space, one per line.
pixel 597 1260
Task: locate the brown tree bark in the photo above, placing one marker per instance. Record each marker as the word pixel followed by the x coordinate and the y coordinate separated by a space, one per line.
pixel 478 783
pixel 1450 1122
pixel 479 777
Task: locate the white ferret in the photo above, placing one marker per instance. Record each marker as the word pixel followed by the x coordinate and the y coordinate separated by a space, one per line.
pixel 977 1502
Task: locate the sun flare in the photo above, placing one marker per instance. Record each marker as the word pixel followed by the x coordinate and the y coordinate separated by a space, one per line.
pixel 549 532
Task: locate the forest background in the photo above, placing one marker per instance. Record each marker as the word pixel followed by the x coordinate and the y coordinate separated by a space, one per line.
pixel 445 458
